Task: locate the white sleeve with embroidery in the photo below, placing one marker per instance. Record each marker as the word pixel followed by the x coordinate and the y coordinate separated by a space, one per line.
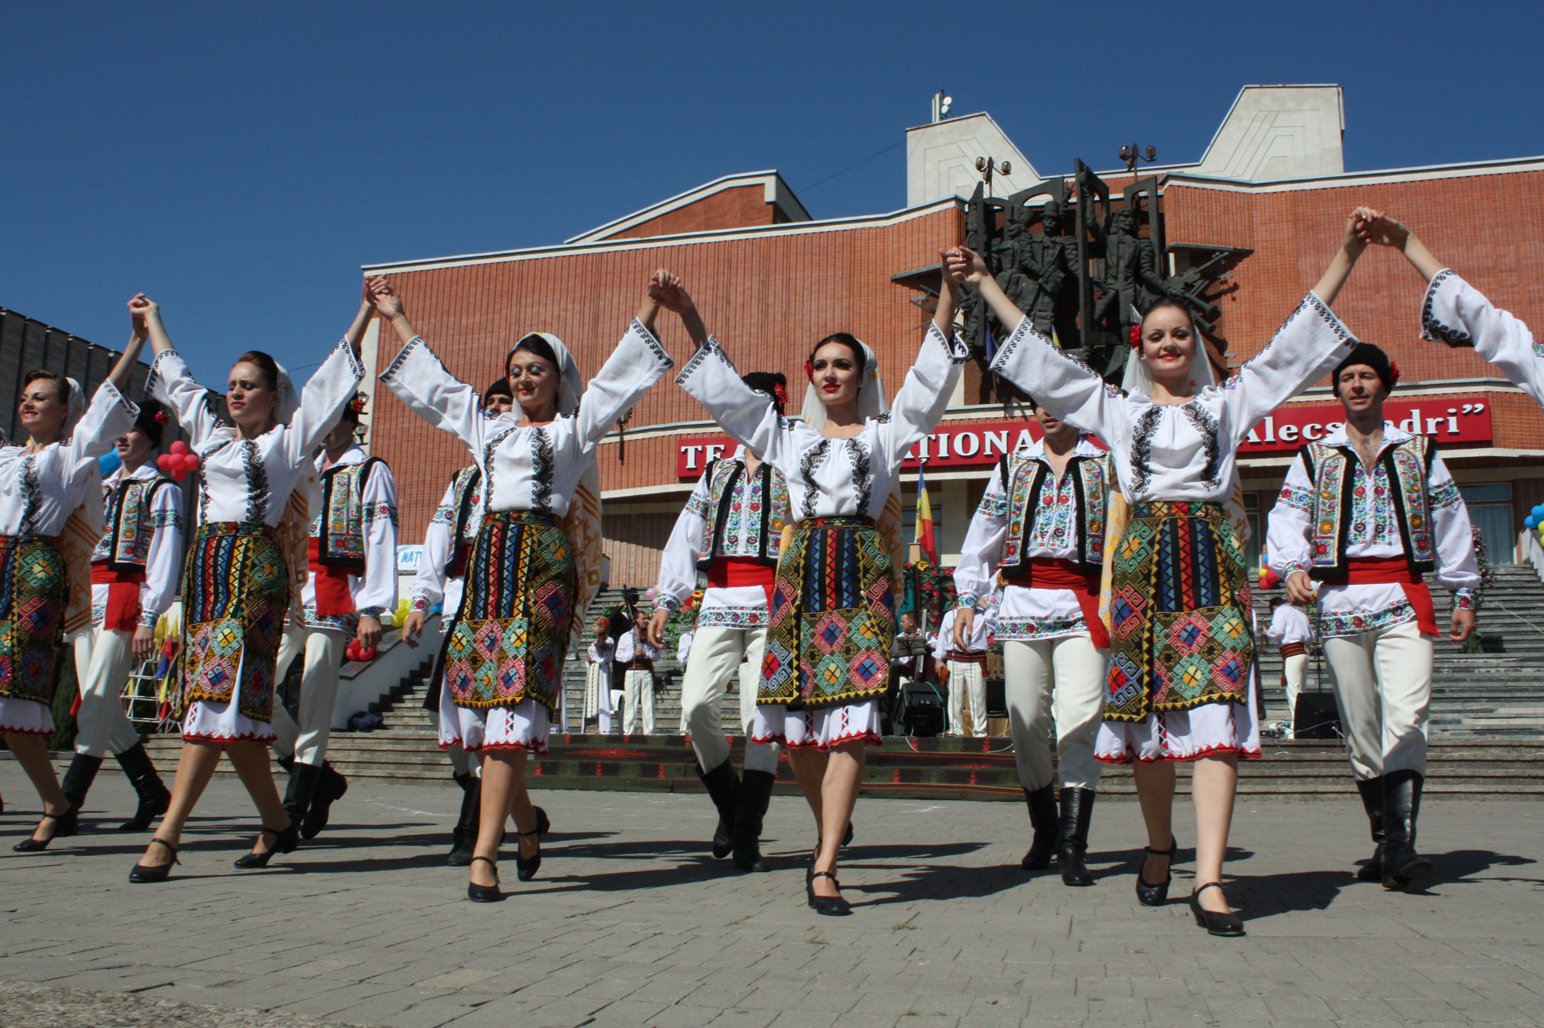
pixel 163 558
pixel 1288 533
pixel 924 396
pixel 636 364
pixel 1456 313
pixel 1070 390
pixel 171 384
pixel 685 547
pixel 429 583
pixel 419 380
pixel 749 416
pixel 983 546
pixel 330 388
pixel 1457 570
pixel 109 416
pixel 378 588
pixel 1306 348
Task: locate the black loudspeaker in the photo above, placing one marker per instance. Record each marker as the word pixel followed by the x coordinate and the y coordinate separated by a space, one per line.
pixel 921 710
pixel 1317 716
pixel 996 697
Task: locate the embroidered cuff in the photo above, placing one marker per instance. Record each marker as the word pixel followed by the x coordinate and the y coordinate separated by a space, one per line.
pixel 1288 569
pixel 669 603
pixel 355 368
pixel 402 355
pixel 156 373
pixel 1464 599
pixel 148 618
pixel 371 612
pixel 711 348
pixel 118 398
pixel 1438 308
pixel 972 600
pixel 648 338
pixel 420 604
pixel 954 346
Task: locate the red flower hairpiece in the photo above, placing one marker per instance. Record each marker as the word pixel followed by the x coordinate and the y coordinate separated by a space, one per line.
pixel 1393 373
pixel 780 392
pixel 809 371
pixel 357 404
pixel 160 417
pixel 1136 336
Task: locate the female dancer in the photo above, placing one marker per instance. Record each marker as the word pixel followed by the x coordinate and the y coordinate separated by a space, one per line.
pixel 1181 652
pixel 827 661
pixel 42 483
pixel 241 567
pixel 503 661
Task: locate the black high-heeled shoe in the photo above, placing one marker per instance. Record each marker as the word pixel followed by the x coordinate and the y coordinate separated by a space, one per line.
pixel 154 873
pixel 1226 925
pixel 284 841
pixel 832 906
pixel 485 893
pixel 525 869
pixel 1148 894
pixel 67 823
pixel 543 822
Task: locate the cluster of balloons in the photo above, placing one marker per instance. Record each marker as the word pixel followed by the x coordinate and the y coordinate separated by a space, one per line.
pixel 1268 578
pixel 1535 521
pixel 178 461
pixel 353 651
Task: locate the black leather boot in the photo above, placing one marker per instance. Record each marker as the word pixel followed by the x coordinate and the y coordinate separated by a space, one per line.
pixel 78 778
pixel 1042 818
pixel 1077 810
pixel 329 788
pixel 1401 809
pixel 463 838
pixel 1372 802
pixel 153 795
pixel 749 809
pixel 722 785
pixel 301 790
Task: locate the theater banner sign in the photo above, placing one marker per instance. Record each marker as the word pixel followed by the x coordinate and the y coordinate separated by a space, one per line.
pixel 978 444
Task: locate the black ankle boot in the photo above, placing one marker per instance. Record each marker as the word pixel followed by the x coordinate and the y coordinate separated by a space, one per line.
pixel 750 807
pixel 722 785
pixel 153 795
pixel 1077 810
pixel 1401 809
pixel 463 838
pixel 301 790
pixel 330 788
pixel 1372 801
pixel 78 778
pixel 1042 818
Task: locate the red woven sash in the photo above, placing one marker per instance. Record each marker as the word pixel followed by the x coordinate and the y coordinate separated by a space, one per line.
pixel 1293 650
pixel 1394 571
pixel 1051 573
pixel 333 598
pixel 122 596
pixel 733 572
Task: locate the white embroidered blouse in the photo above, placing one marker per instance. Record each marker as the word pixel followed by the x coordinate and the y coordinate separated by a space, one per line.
pixel 39 491
pixel 1456 313
pixel 1026 614
pixel 375 592
pixel 831 477
pixel 529 467
pixel 250 480
pixel 1185 451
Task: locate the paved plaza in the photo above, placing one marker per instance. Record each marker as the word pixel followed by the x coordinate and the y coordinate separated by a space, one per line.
pixel 630 921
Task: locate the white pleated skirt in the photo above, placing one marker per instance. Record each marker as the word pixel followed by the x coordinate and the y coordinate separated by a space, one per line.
pixel 524 726
pixel 223 722
pixel 25 717
pixel 819 729
pixel 1210 730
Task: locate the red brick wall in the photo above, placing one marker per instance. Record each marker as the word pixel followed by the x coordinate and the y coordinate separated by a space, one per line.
pixel 739 207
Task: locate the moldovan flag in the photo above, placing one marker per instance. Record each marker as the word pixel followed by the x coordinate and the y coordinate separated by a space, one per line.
pixel 925 539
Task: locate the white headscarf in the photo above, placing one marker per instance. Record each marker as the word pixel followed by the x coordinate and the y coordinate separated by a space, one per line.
pixel 288 403
pixel 570 381
pixel 871 394
pixel 77 407
pixel 1138 379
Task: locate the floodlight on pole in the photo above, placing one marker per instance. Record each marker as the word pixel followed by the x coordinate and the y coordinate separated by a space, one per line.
pixel 942 101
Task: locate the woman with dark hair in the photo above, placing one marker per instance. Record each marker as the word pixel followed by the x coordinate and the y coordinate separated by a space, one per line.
pixel 827 662
pixel 1180 681
pixel 245 567
pixel 536 557
pixel 50 520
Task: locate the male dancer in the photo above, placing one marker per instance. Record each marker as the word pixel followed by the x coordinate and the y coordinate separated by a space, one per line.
pixel 636 656
pixel 133 580
pixel 1367 511
pixel 353 581
pixel 1040 531
pixel 965 661
pixel 731 530
pixel 1290 631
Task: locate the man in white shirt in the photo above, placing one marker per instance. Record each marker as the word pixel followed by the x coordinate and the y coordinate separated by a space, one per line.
pixel 636 656
pixel 1290 631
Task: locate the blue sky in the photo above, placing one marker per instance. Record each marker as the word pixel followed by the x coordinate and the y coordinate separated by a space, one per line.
pixel 240 161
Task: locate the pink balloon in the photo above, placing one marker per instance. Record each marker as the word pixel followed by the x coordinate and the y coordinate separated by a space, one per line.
pixel 164 462
pixel 179 447
pixel 189 462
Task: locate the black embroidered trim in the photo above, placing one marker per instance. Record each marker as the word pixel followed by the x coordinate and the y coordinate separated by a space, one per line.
pixel 487 463
pixel 1205 422
pixel 886 417
pixel 953 345
pixel 1142 448
pixel 355 368
pixel 1434 329
pixel 858 454
pixel 1319 307
pixel 1025 328
pixel 660 353
pixel 711 348
pixel 203 479
pixel 807 464
pixel 541 472
pixel 257 482
pixel 31 497
pixel 402 354
pixel 155 371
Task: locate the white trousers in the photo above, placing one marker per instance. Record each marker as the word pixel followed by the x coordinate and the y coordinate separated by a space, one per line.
pixel 323 649
pixel 103 658
pixel 1059 679
pixel 715 660
pixel 1383 685
pixel 637 701
pixel 1295 670
pixel 967 678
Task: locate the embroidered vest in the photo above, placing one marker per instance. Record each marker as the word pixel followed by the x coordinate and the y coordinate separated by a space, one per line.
pixel 763 509
pixel 463 485
pixel 339 527
pixel 1332 469
pixel 130 523
pixel 1023 478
